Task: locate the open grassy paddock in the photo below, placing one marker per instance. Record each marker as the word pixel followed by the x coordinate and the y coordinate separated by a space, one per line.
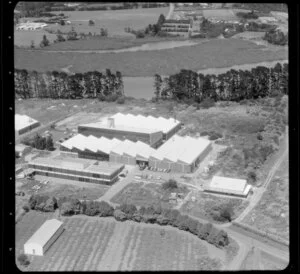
pixel 214 53
pixel 271 214
pixel 142 194
pixel 99 244
pixel 205 203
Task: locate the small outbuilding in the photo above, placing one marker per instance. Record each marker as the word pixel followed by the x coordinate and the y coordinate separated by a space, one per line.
pixel 228 186
pixel 44 237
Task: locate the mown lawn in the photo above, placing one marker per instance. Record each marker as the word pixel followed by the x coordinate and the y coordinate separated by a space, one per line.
pixel 214 53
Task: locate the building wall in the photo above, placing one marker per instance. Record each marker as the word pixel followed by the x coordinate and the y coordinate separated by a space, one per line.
pixel 156 139
pixel 93 155
pixel 110 134
pixel 169 134
pixel 53 238
pixel 33 249
pixel 226 193
pixel 28 128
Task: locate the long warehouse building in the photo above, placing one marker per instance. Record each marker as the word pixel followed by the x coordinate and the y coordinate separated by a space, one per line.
pixel 83 170
pixel 178 154
pixel 147 129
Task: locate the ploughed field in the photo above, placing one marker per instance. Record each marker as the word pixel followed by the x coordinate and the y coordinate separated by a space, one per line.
pixel 213 53
pixel 95 244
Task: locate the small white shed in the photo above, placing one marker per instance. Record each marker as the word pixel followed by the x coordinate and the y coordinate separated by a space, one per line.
pixel 44 237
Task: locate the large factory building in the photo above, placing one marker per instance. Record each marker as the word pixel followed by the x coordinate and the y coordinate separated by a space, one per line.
pixel 147 129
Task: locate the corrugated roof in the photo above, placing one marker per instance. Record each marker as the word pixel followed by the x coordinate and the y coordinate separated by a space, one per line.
pixel 45 232
pixel 22 121
pixel 225 184
pixel 137 123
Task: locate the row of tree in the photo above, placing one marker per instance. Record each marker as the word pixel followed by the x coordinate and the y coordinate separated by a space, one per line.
pixel 60 85
pixel 40 142
pixel 234 85
pixel 151 214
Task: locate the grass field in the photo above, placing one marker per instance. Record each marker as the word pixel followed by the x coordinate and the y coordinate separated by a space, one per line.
pixel 114 21
pixel 257 259
pixel 214 53
pixel 23 38
pixel 204 203
pixel 142 194
pixel 271 215
pixel 220 14
pixel 91 244
pixel 107 43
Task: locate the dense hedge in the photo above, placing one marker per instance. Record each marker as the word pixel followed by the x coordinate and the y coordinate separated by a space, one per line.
pixel 152 214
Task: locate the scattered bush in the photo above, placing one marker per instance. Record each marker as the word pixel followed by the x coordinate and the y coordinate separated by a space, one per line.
pixel 128 209
pixel 26 208
pixel 170 185
pixel 121 100
pixel 120 215
pixel 207 103
pixel 105 209
pixel 23 260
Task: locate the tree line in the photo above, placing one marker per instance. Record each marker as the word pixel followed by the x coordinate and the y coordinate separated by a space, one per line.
pixel 234 85
pixel 60 85
pixel 151 214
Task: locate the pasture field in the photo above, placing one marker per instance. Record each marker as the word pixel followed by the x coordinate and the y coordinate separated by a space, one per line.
pixel 204 202
pixel 142 194
pixel 103 244
pixel 107 43
pixel 23 38
pixel 114 21
pixel 271 214
pixel 213 53
pixel 220 14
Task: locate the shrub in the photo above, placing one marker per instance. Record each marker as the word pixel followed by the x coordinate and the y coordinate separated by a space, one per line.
pixel 222 238
pixel 105 209
pixel 91 23
pixel 252 177
pixel 92 208
pixel 181 222
pixel 121 100
pixel 211 238
pixel 170 185
pixel 214 136
pixel 23 260
pixel 67 209
pixel 119 215
pixel 205 231
pixel 128 209
pixel 204 133
pixel 50 205
pixel 26 208
pixel 207 103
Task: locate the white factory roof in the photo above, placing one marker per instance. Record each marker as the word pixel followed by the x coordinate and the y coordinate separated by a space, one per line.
pixel 181 149
pixel 45 232
pixel 229 185
pixel 107 146
pixel 22 121
pixel 137 123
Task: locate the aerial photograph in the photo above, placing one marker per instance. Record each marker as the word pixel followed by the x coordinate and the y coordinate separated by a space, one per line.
pixel 151 136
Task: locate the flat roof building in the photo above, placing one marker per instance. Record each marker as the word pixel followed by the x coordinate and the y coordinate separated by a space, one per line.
pixel 24 123
pixel 83 170
pixel 229 186
pixel 147 129
pixel 44 237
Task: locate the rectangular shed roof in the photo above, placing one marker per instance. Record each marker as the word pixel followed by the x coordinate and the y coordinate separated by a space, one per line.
pixel 45 232
pixel 229 185
pixel 23 121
